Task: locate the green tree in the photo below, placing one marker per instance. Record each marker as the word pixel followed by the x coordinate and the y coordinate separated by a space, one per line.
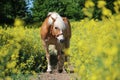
pixel 73 9
pixel 10 9
pixel 42 7
pixel 69 8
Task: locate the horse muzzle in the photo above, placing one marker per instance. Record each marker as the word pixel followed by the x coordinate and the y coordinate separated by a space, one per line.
pixel 61 38
pixel 62 41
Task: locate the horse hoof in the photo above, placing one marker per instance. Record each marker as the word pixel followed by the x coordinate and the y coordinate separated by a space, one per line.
pixel 49 72
pixel 60 71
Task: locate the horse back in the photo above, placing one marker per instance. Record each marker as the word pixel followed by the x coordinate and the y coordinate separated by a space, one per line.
pixel 68 29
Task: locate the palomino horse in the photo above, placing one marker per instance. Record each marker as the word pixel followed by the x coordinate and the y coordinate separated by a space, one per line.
pixel 56 30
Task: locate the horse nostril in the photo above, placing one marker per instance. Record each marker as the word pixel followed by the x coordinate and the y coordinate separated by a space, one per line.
pixel 62 40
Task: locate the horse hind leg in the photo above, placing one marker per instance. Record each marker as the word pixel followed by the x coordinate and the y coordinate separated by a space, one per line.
pixel 61 60
pixel 66 53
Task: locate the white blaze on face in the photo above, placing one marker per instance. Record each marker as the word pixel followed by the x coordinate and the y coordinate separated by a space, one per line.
pixel 60 37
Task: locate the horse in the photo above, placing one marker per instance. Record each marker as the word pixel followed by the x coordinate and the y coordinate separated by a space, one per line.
pixel 56 30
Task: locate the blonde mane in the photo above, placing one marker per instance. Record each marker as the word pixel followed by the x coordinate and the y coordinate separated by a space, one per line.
pixel 58 20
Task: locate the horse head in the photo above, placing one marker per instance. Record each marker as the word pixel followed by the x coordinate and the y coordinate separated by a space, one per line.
pixel 57 26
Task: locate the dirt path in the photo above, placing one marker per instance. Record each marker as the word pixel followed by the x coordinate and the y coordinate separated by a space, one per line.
pixel 54 75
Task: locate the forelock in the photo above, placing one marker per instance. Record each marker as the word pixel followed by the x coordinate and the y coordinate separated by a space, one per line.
pixel 58 20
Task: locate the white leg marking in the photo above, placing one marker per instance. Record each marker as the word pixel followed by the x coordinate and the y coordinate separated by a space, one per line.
pixel 49 66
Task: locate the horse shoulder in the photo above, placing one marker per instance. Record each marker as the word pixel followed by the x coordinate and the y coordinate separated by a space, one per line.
pixel 44 29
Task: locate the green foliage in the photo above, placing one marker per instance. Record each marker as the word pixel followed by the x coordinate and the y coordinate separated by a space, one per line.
pixel 11 9
pixel 73 9
pixel 42 7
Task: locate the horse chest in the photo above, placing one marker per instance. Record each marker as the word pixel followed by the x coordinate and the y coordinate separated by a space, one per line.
pixel 51 40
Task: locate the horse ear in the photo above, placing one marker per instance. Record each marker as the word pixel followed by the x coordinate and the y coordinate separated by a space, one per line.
pixel 53 19
pixel 49 14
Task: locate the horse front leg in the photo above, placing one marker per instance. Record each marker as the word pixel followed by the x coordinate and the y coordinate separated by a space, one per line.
pixel 61 60
pixel 48 61
pixel 66 53
pixel 47 56
pixel 60 57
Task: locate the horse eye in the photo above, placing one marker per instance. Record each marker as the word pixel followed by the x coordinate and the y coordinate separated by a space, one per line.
pixel 56 27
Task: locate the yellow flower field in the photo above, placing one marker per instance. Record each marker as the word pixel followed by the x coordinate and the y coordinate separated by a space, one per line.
pixel 94 50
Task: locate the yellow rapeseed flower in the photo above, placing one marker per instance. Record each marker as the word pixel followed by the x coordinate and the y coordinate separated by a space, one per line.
pixel 22 65
pixel 111 51
pixel 27 72
pixel 67 51
pixel 108 61
pixel 14 70
pixel 18 22
pixel 89 4
pixel 93 77
pixel 82 67
pixel 87 12
pixel 11 64
pixel 101 4
pixel 8 78
pixel 106 12
pixel 117 6
pixel 14 56
pixel 108 78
